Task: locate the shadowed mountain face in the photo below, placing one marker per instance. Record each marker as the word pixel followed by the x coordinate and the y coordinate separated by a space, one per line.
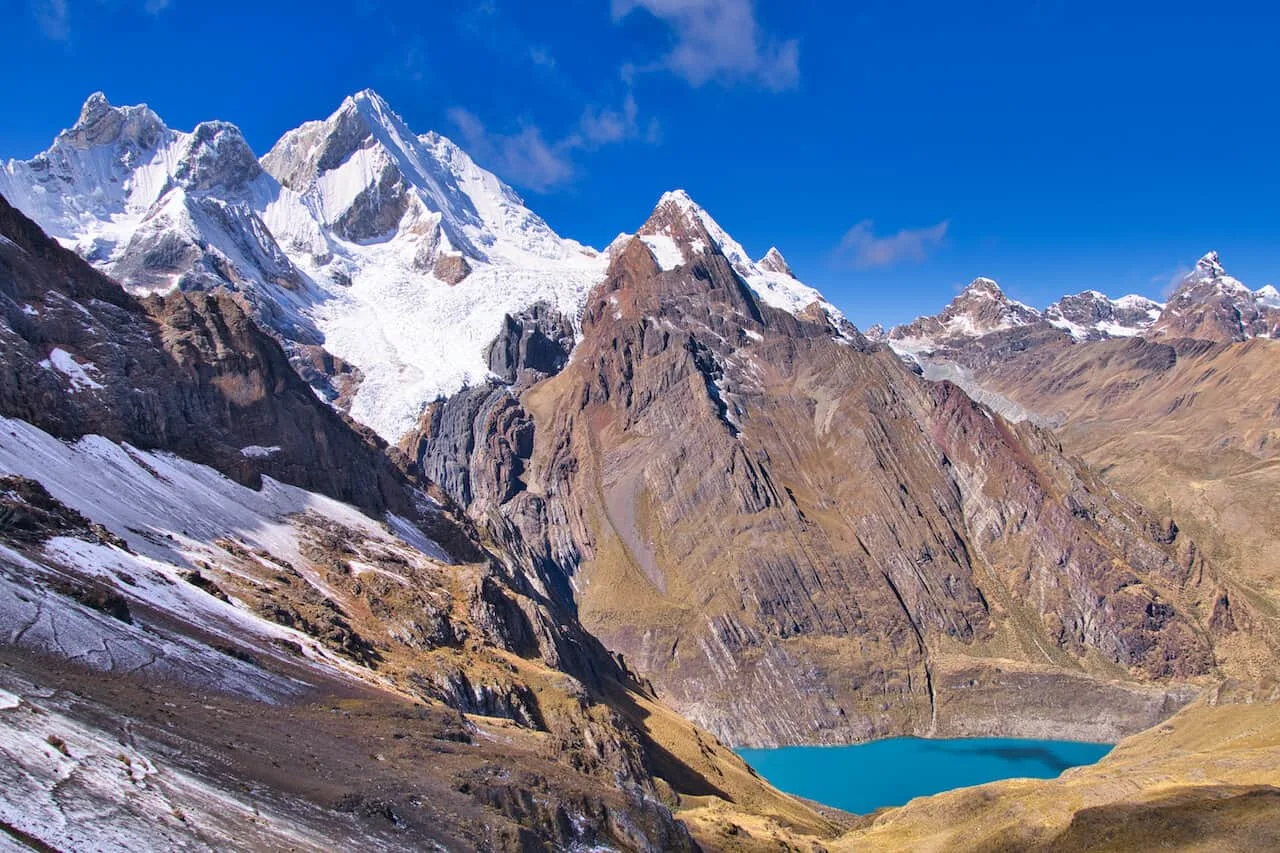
pixel 764 511
pixel 190 373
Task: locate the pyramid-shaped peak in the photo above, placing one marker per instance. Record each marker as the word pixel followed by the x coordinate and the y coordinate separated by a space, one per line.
pixel 1211 264
pixel 676 214
pixel 94 107
pixel 678 197
pixel 100 123
pixel 985 287
pixel 773 261
pixel 366 99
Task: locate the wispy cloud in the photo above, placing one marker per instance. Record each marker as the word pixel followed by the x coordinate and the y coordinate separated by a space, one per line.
pixel 542 57
pixel 605 126
pixel 718 40
pixel 862 248
pixel 1170 280
pixel 526 158
pixel 54 18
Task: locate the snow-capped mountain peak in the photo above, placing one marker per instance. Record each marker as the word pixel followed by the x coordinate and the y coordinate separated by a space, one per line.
pixel 679 229
pixel 980 309
pixel 1211 304
pixel 97 179
pixel 393 250
pixel 215 155
pixel 367 176
pixel 1210 264
pixel 988 307
pixel 1267 295
pixel 1090 315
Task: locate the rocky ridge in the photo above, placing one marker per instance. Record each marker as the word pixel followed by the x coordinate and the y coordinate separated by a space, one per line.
pixel 982 325
pixel 730 492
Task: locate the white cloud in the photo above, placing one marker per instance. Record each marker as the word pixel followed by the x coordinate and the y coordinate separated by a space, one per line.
pixel 526 157
pixel 718 40
pixel 606 126
pixel 1171 280
pixel 861 247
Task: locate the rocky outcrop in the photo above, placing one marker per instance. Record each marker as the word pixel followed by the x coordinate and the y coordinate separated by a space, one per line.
pixel 538 340
pixel 451 269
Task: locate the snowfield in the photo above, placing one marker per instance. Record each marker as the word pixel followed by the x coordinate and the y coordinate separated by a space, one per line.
pixel 172 513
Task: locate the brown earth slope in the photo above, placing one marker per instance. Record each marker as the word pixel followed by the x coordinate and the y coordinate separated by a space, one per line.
pixel 1190 429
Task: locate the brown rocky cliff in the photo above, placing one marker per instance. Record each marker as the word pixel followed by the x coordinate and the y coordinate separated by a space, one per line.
pixel 759 515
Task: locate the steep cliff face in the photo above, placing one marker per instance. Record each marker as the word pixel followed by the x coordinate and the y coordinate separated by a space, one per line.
pixel 190 373
pixel 763 510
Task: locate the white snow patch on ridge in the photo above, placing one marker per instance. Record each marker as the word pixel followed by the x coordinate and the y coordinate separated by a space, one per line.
pixel 775 289
pixel 77 373
pixel 665 251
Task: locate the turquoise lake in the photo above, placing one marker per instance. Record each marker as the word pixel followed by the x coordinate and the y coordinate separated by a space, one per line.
pixel 870 776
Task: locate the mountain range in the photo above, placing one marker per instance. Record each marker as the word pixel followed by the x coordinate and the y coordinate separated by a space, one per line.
pixel 346 433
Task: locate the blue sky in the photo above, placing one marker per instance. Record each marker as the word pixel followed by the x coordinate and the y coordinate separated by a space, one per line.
pixel 891 150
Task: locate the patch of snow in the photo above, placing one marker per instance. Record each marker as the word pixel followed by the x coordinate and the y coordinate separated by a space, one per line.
pixel 1112 329
pixel 102 791
pixel 78 374
pixel 414 537
pixel 1133 300
pixel 165 507
pixel 1268 296
pixel 775 289
pixel 257 451
pixel 1074 329
pixel 665 251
